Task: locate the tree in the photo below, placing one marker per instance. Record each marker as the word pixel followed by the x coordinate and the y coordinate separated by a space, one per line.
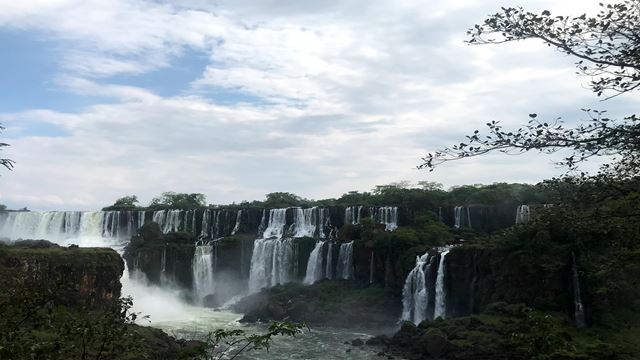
pixel 7 163
pixel 607 49
pixel 179 200
pixel 283 199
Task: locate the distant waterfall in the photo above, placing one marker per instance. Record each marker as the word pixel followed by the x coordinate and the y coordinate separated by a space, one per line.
pixel 304 222
pixel 203 271
pixel 263 222
pixel 352 215
pixel 523 214
pixel 328 273
pixel 457 214
pixel 441 295
pixel 169 220
pixel 577 298
pixel 236 228
pixel 69 226
pixel 387 215
pixel 345 261
pixel 277 223
pixel 415 294
pixel 315 270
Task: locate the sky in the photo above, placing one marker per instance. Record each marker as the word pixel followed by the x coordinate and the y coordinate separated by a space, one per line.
pixel 238 98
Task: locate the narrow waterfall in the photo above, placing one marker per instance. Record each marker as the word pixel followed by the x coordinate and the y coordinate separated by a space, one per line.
pixel 578 313
pixel 415 294
pixel 206 223
pixel 169 220
pixel 371 267
pixel 345 261
pixel 236 228
pixel 324 222
pixel 387 215
pixel 203 271
pixel 523 214
pixel 263 222
pixel 441 294
pixel 328 272
pixel 163 267
pixel 315 270
pixel 457 214
pixel 276 225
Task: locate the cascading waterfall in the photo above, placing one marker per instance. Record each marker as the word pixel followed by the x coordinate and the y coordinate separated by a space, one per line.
pixel 203 271
pixel 523 214
pixel 578 313
pixel 328 272
pixel 352 215
pixel 415 294
pixel 304 222
pixel 272 258
pixel 169 220
pixel 206 220
pixel 345 261
pixel 263 222
pixel 441 295
pixel 315 270
pixel 387 215
pixel 236 228
pixel 457 215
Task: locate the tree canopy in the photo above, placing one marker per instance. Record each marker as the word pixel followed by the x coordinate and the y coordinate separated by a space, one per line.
pixel 607 49
pixel 179 200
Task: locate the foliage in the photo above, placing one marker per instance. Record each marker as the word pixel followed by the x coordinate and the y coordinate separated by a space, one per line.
pixel 228 344
pixel 123 203
pixel 3 207
pixel 7 163
pixel 283 199
pixel 172 199
pixel 606 48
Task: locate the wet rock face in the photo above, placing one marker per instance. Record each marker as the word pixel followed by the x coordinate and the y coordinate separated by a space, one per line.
pixel 65 276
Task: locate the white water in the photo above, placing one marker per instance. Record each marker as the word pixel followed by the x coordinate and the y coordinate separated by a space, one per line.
pixel 523 214
pixel 352 215
pixel 328 273
pixel 441 295
pixel 271 263
pixel 236 228
pixel 315 271
pixel 415 294
pixel 202 267
pixel 345 261
pixel 387 215
pixel 457 214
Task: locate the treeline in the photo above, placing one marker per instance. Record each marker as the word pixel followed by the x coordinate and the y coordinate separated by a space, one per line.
pixel 420 195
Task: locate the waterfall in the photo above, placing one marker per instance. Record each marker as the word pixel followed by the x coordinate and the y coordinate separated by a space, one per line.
pixel 163 267
pixel 577 298
pixel 387 215
pixel 314 265
pixel 277 223
pixel 169 220
pixel 457 214
pixel 328 273
pixel 352 215
pixel 523 214
pixel 206 220
pixel 236 228
pixel 469 218
pixel 415 294
pixel 304 222
pixel 65 227
pixel 371 267
pixel 263 222
pixel 441 295
pixel 203 271
pixel 345 261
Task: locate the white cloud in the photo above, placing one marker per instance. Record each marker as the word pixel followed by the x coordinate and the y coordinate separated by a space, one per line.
pixel 354 93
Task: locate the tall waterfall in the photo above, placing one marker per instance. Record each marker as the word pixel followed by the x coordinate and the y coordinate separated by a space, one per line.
pixel 328 272
pixel 236 228
pixel 523 214
pixel 415 294
pixel 387 215
pixel 203 271
pixel 345 261
pixel 164 279
pixel 441 294
pixel 304 222
pixel 457 214
pixel 315 270
pixel 577 298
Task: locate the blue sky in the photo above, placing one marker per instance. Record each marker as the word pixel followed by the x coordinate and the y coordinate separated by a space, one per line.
pixel 236 99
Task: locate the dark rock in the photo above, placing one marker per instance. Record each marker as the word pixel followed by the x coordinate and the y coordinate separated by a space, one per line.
pixel 434 342
pixel 357 342
pixel 378 340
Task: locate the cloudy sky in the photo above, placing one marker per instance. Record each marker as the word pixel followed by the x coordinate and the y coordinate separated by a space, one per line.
pixel 238 98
